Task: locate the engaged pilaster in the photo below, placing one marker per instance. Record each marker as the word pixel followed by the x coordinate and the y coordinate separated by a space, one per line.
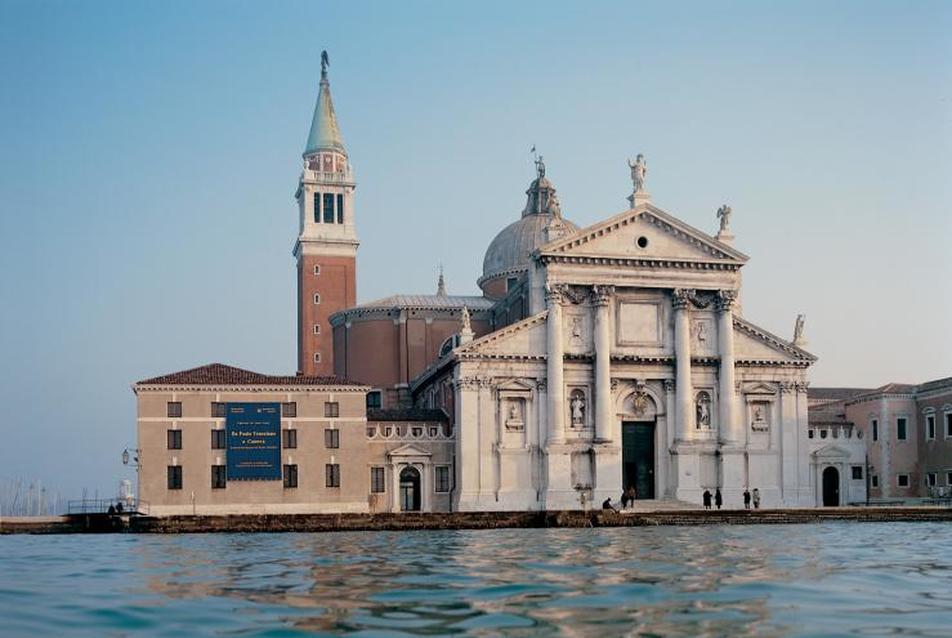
pixel 680 301
pixel 554 356
pixel 604 426
pixel 729 425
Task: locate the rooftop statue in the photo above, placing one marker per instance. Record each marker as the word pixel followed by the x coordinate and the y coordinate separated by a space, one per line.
pixel 638 171
pixel 798 328
pixel 325 62
pixel 724 214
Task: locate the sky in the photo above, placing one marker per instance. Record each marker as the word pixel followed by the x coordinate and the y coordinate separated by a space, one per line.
pixel 150 152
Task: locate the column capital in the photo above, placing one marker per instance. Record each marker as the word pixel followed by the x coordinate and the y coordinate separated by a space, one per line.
pixel 669 386
pixel 602 295
pixel 726 299
pixel 681 297
pixel 555 293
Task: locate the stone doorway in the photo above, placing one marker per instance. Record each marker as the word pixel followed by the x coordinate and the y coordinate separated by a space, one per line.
pixel 638 457
pixel 831 487
pixel 410 489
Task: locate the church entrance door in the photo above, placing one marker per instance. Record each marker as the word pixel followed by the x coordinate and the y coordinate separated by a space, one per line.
pixel 831 487
pixel 638 457
pixel 410 490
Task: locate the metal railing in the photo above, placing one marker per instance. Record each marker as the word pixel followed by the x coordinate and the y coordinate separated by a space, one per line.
pixel 102 505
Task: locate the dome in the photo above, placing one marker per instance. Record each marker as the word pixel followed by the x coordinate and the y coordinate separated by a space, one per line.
pixel 511 248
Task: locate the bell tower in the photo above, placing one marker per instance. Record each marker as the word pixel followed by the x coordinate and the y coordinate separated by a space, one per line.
pixel 326 246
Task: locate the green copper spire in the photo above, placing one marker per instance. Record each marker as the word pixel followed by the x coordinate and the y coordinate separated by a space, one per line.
pixel 324 135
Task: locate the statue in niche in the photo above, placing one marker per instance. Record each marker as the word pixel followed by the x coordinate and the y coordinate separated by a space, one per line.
pixel 701 334
pixel 703 404
pixel 724 214
pixel 759 419
pixel 639 169
pixel 576 328
pixel 577 405
pixel 514 416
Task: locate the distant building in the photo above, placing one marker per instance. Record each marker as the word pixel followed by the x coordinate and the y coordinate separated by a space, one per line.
pixel 907 432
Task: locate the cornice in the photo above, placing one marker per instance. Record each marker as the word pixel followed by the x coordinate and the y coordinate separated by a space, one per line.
pixel 381 312
pixel 195 387
pixel 639 262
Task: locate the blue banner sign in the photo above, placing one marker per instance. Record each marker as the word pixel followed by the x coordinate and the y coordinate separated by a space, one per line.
pixel 254 441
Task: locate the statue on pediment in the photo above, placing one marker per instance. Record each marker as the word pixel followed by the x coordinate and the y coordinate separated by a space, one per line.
pixel 798 328
pixel 639 170
pixel 724 214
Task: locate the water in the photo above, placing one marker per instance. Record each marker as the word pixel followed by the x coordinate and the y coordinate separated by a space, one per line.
pixel 868 579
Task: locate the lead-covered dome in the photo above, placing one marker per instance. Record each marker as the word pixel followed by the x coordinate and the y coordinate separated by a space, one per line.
pixel 508 254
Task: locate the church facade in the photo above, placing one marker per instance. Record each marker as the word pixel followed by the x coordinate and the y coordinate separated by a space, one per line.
pixel 595 360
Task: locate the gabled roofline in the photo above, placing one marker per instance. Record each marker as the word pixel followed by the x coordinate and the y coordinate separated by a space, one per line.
pixel 589 233
pixel 774 340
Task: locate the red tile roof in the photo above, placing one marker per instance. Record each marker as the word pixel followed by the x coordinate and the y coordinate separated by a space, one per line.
pixel 220 374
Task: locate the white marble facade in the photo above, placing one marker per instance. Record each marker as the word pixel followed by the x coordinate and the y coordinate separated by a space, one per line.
pixel 634 327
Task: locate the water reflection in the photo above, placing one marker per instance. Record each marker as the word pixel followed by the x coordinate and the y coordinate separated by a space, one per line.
pixel 830 579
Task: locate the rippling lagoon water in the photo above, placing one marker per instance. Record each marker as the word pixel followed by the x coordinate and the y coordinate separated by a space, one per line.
pixel 825 579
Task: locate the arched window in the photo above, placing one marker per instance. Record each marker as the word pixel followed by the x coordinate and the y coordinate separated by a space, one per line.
pixel 317 357
pixel 317 298
pixel 317 328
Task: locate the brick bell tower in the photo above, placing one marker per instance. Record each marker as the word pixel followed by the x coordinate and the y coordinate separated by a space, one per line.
pixel 326 246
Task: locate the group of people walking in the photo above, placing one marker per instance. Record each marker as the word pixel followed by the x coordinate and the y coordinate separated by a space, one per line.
pixel 749 497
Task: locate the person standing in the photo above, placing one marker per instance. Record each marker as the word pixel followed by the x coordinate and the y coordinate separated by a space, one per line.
pixel 707 499
pixel 756 499
pixel 718 499
pixel 746 499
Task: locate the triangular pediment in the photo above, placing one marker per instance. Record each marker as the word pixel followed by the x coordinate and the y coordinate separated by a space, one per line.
pixel 831 452
pixel 761 389
pixel 756 344
pixel 514 385
pixel 523 338
pixel 408 450
pixel 647 233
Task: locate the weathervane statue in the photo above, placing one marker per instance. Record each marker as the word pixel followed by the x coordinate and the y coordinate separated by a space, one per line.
pixel 325 62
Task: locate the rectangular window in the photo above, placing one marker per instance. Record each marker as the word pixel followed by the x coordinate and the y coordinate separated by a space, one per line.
pixel 930 427
pixel 948 425
pixel 875 430
pixel 328 208
pixel 373 400
pixel 441 478
pixel 218 477
pixel 332 439
pixel 175 439
pixel 932 479
pixel 340 209
pixel 874 481
pixel 290 476
pixel 857 472
pixel 902 480
pixel 317 208
pixel 289 439
pixel 331 409
pixel 901 428
pixel 174 409
pixel 218 410
pixel 175 477
pixel 218 439
pixel 948 478
pixel 332 473
pixel 511 283
pixel 378 482
pixel 289 410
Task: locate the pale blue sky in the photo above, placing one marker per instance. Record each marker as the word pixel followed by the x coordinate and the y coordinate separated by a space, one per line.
pixel 150 153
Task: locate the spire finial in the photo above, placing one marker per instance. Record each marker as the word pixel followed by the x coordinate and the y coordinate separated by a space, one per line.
pixel 325 62
pixel 441 284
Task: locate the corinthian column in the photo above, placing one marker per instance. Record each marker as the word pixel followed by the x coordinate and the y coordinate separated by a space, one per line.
pixel 683 390
pixel 556 386
pixel 604 426
pixel 729 426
